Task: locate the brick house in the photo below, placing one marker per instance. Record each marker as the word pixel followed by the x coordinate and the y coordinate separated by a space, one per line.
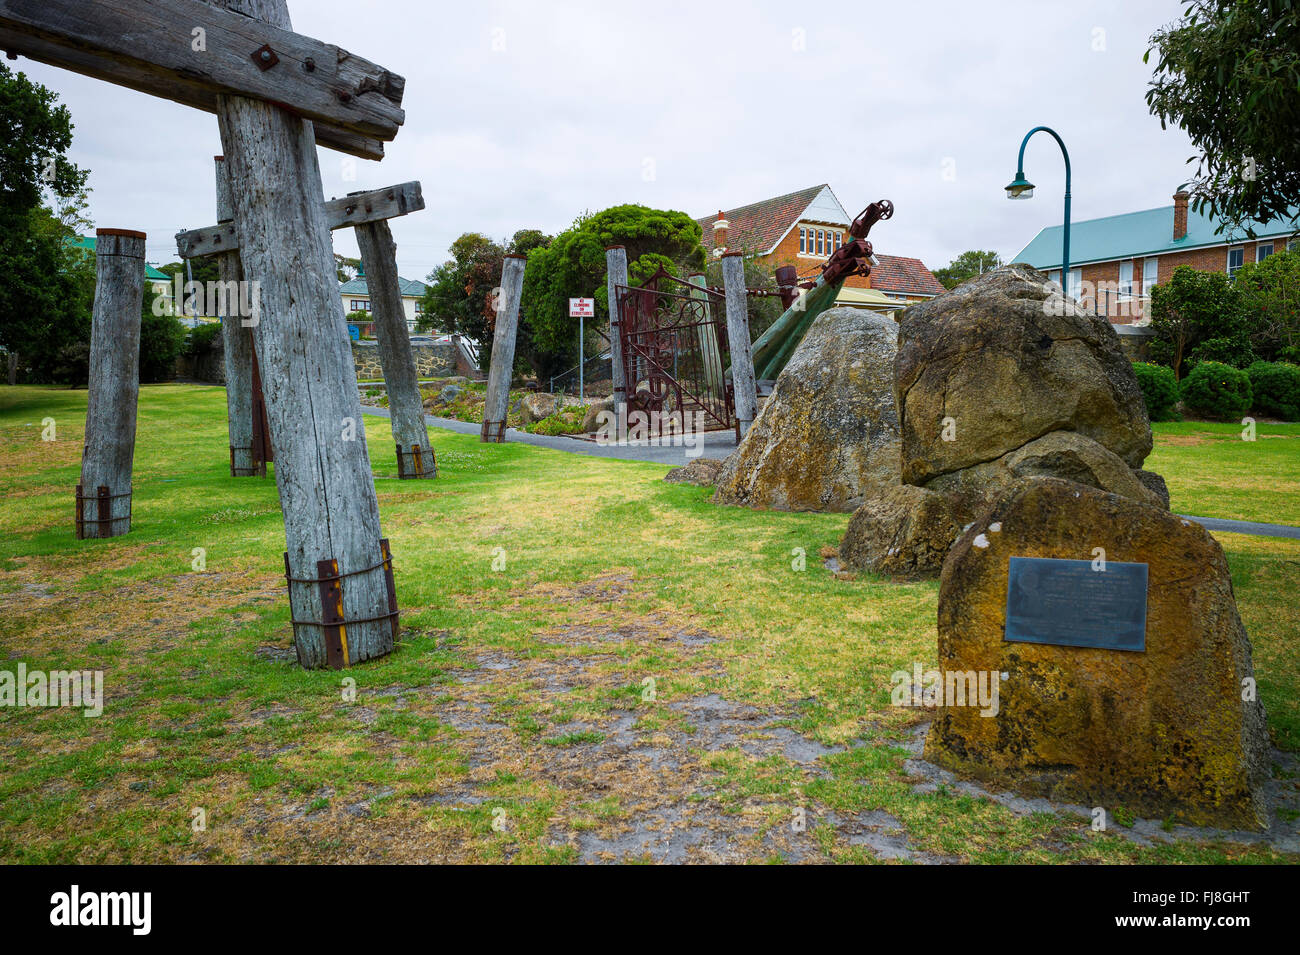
pixel 801 229
pixel 1114 261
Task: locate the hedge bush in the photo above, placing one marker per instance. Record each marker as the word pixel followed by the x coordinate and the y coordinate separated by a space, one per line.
pixel 1215 390
pixel 1275 386
pixel 1159 389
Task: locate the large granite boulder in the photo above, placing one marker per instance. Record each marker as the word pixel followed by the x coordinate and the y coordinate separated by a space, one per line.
pixel 1061 454
pixel 1004 360
pixel 1161 732
pixel 827 437
pixel 538 405
pixel 903 532
pixel 702 472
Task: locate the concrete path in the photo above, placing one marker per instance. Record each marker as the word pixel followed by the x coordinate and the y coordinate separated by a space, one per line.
pixel 712 444
pixel 1246 527
pixel 719 444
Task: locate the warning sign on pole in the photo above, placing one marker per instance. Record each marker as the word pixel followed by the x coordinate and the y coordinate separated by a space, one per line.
pixel 582 308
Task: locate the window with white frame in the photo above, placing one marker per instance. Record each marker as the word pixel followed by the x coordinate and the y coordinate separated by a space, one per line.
pixel 1236 259
pixel 1076 284
pixel 1054 276
pixel 1126 279
pixel 1150 273
pixel 1263 251
pixel 803 241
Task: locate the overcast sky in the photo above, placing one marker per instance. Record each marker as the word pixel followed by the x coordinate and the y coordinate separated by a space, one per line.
pixel 523 115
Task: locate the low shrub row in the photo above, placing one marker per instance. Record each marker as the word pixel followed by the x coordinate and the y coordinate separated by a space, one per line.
pixel 1217 390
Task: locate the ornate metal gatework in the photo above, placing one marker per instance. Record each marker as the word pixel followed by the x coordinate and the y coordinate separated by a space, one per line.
pixel 673 338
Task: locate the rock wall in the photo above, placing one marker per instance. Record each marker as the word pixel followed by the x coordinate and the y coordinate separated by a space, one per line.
pixel 436 360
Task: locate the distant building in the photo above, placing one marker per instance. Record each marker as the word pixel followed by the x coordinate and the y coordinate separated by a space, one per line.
pixel 356 298
pixel 1115 261
pixel 801 229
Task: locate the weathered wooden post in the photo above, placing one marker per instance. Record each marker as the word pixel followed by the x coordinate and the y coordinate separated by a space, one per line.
pixel 251 66
pixel 245 407
pixel 341 596
pixel 742 359
pixel 502 368
pixel 379 255
pixel 616 275
pixel 104 494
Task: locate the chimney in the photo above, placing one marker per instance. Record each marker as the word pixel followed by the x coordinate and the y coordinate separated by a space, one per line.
pixel 1180 213
pixel 720 233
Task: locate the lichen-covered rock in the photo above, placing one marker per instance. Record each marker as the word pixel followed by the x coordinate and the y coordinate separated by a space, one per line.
pixel 591 419
pixel 1155 484
pixel 1060 454
pixel 1002 360
pixel 701 471
pixel 827 438
pixel 1164 732
pixel 538 405
pixel 904 532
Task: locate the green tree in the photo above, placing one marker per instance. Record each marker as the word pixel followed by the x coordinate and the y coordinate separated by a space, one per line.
pixel 1270 291
pixel 457 296
pixel 1194 308
pixel 967 266
pixel 1228 75
pixel 48 286
pixel 573 265
pixel 347 268
pixel 162 338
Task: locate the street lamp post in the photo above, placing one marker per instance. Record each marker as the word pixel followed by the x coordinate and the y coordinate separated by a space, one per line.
pixel 1022 188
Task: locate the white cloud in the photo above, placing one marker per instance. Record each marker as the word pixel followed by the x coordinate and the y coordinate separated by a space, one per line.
pixel 716 96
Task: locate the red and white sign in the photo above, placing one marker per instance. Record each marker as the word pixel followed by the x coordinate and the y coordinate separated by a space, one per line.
pixel 582 308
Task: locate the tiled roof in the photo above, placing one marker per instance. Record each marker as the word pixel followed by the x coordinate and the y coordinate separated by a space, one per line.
pixel 357 286
pixel 903 275
pixel 1149 232
pixel 759 226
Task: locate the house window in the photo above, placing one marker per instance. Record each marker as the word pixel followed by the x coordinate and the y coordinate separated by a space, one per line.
pixel 839 239
pixel 803 241
pixel 1236 259
pixel 1150 273
pixel 1263 251
pixel 1076 283
pixel 1293 244
pixel 1054 276
pixel 360 305
pixel 1126 279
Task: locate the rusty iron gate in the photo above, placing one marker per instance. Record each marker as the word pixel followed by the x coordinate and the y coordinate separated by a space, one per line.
pixel 673 339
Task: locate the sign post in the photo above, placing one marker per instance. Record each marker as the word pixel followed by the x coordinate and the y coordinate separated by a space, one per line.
pixel 581 309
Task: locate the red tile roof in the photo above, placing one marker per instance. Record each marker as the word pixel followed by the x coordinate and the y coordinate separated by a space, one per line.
pixel 903 275
pixel 759 226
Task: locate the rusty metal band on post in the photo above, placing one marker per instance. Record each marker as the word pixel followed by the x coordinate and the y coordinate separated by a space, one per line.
pixel 104 499
pixel 257 470
pixel 415 455
pixel 493 431
pixel 333 622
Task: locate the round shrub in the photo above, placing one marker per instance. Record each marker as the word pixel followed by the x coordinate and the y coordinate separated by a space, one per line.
pixel 1215 390
pixel 1275 386
pixel 1234 351
pixel 1159 389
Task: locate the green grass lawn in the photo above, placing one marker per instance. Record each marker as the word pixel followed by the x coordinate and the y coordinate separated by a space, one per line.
pixel 643 662
pixel 1213 472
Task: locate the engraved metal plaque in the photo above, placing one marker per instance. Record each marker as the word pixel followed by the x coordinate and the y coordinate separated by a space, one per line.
pixel 1068 603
